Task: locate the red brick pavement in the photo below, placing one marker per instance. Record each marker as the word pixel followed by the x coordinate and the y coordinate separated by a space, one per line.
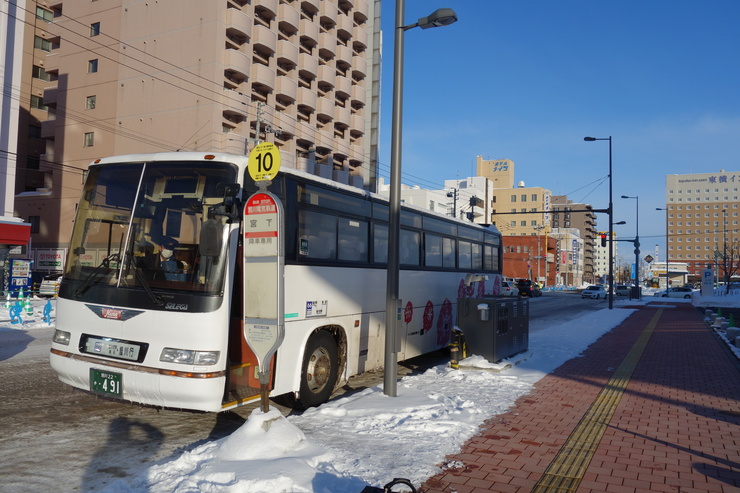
pixel 675 428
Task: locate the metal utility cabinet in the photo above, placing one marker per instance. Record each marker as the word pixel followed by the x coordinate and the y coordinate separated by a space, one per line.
pixel 494 327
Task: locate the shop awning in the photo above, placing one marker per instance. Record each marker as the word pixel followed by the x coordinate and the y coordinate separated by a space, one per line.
pixel 14 232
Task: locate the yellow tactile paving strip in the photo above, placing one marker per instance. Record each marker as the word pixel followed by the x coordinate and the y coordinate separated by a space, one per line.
pixel 566 471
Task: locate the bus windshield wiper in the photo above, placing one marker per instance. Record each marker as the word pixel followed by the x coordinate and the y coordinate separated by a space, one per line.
pixel 93 275
pixel 144 284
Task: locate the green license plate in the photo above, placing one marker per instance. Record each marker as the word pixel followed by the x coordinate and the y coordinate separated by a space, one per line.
pixel 106 382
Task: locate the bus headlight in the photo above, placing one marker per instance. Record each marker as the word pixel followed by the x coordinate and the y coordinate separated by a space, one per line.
pixel 62 337
pixel 189 357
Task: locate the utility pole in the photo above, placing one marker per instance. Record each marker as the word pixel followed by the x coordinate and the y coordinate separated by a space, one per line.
pixel 257 132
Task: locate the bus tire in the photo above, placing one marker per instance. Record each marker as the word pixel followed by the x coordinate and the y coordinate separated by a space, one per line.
pixel 319 370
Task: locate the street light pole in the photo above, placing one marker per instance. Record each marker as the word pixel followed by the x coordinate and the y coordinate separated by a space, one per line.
pixel 440 17
pixel 611 221
pixel 667 279
pixel 637 244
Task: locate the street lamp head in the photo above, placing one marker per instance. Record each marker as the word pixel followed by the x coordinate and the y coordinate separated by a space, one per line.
pixel 589 139
pixel 620 223
pixel 438 18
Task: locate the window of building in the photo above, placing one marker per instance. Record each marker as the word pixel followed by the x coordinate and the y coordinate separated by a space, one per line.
pixel 94 29
pixel 44 15
pixel 522 223
pixel 38 103
pixel 92 66
pixel 534 197
pixel 32 162
pixel 90 103
pixel 35 222
pixel 41 44
pixel 513 198
pixel 89 139
pixel 40 73
pixel 524 197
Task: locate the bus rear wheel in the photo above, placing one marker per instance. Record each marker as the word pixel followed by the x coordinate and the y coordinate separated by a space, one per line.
pixel 319 370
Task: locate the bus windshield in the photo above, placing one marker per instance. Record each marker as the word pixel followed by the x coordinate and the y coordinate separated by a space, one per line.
pixel 150 227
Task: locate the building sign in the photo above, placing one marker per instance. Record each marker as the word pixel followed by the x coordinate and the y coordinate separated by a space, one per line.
pixel 50 260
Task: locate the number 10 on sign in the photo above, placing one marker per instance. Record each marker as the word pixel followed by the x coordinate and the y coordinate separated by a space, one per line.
pixel 264 162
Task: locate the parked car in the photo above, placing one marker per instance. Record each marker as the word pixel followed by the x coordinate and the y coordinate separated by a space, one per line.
pixel 509 289
pixel 594 292
pixel 525 287
pixel 622 290
pixel 678 292
pixel 49 286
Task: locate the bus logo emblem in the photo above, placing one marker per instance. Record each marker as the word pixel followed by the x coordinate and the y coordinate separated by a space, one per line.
pixel 110 313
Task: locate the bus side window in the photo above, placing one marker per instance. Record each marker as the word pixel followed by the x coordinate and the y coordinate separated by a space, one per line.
pixel 410 244
pixel 318 234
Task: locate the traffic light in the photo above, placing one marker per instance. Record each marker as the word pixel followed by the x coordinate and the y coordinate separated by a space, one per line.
pixel 603 239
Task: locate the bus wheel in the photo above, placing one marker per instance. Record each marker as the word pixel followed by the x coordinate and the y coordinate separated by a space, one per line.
pixel 319 370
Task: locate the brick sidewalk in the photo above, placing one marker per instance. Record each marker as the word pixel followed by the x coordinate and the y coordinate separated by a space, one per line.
pixel 670 425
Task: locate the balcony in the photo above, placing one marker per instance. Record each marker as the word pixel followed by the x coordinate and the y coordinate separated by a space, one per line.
pixel 267 8
pixel 361 11
pixel 290 18
pixel 359 38
pixel 327 45
pixel 327 75
pixel 51 62
pixel 344 54
pixel 306 131
pixel 285 121
pixel 328 12
pixel 310 6
pixel 359 67
pixel 48 129
pixel 357 152
pixel 325 107
pixel 308 64
pixel 344 26
pixel 287 52
pixel 237 62
pixel 309 30
pixel 358 94
pixel 357 124
pixel 263 75
pixel 306 97
pixel 286 87
pixel 50 96
pixel 343 86
pixel 325 138
pixel 265 38
pixel 238 24
pixel 341 116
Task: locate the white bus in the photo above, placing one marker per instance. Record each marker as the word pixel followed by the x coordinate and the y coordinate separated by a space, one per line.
pixel 150 307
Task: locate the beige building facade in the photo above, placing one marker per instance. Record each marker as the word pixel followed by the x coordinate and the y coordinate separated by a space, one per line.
pixel 112 77
pixel 702 219
pixel 517 210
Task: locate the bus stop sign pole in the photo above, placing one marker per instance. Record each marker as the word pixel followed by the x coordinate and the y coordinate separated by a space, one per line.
pixel 264 262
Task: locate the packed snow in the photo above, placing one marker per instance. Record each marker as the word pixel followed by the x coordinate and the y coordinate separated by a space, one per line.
pixel 368 438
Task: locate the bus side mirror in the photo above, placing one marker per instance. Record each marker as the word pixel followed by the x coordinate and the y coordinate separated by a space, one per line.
pixel 230 205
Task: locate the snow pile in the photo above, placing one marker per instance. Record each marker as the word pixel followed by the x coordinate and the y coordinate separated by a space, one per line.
pixel 368 437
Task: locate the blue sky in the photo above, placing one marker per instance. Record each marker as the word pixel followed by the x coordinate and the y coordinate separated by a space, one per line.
pixel 526 80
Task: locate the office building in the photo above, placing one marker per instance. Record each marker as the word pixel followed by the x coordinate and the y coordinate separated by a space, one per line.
pixel 702 221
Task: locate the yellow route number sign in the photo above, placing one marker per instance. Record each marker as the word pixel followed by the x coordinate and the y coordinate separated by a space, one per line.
pixel 264 162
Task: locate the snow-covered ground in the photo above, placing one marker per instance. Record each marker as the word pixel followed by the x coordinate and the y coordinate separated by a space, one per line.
pixel 368 437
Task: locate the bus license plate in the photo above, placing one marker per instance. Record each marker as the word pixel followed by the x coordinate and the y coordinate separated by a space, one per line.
pixel 106 382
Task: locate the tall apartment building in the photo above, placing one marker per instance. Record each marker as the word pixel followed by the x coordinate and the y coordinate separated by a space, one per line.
pixel 113 77
pixel 567 214
pixel 702 219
